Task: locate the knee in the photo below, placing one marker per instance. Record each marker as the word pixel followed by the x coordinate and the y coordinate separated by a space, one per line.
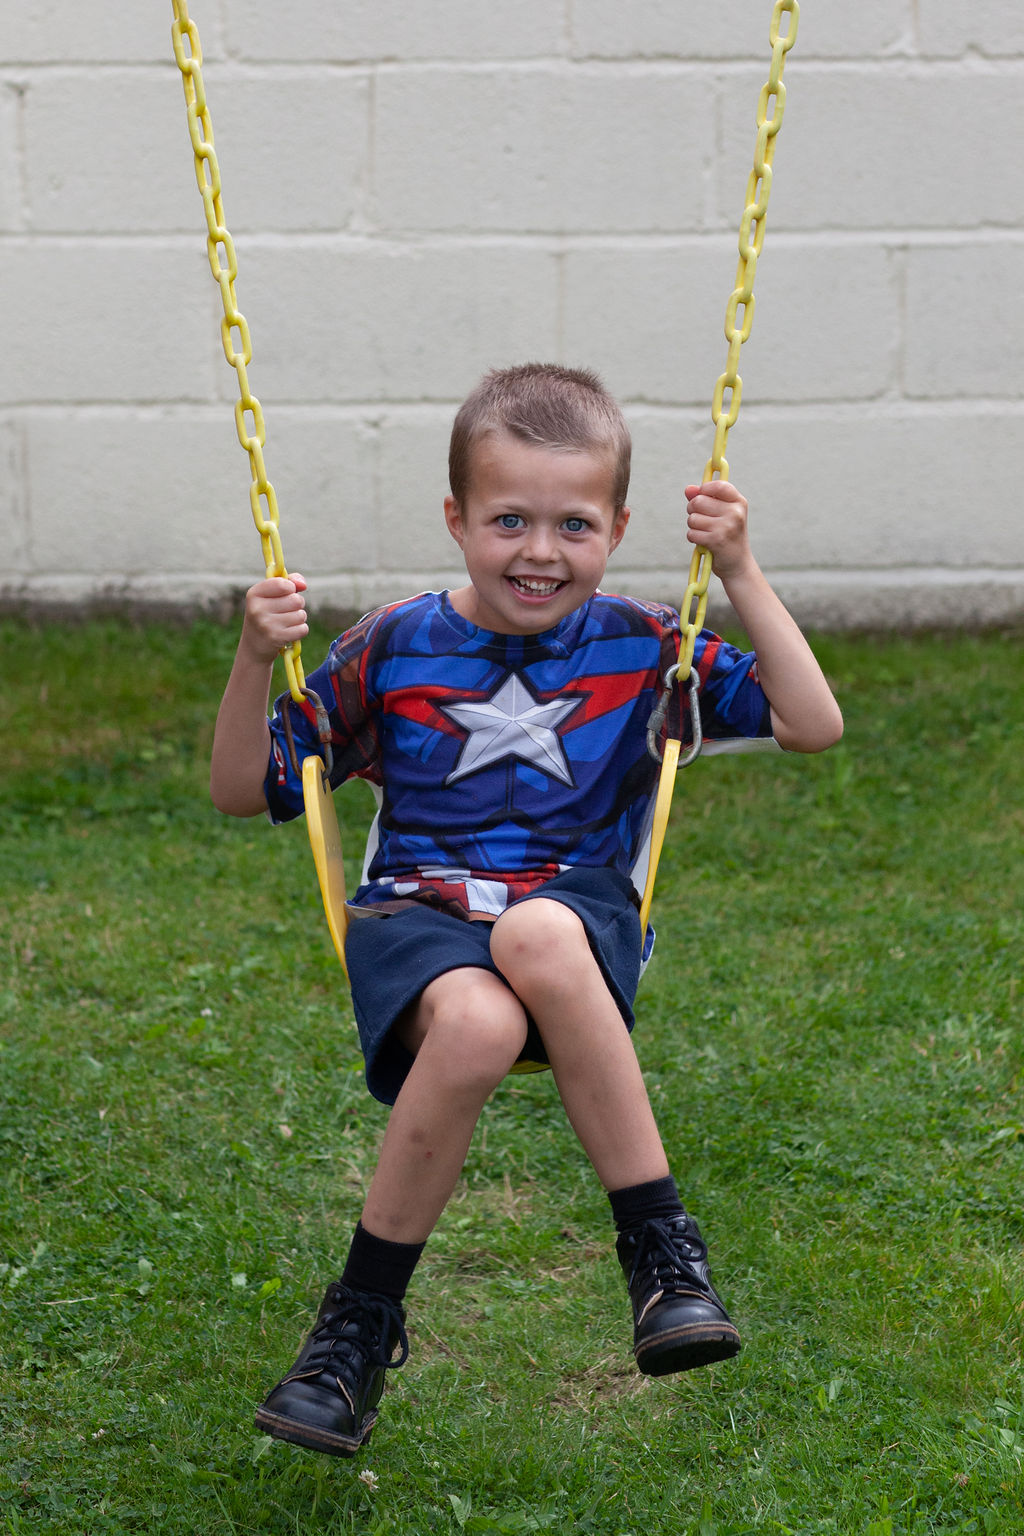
pixel 475 1030
pixel 541 938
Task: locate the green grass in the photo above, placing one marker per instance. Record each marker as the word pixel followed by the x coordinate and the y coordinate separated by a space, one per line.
pixel 831 1033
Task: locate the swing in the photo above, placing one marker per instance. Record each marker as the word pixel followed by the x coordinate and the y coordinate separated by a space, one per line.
pixel 321 817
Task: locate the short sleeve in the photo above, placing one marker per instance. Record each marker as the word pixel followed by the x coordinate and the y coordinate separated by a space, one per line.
pixel 340 682
pixel 733 703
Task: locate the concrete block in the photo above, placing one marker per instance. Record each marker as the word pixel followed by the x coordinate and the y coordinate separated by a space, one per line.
pixel 153 488
pixel 844 491
pixel 370 321
pixel 13 499
pixel 649 315
pixel 293 147
pixel 954 601
pixel 79 179
pixel 827 322
pixel 857 150
pixel 148 494
pixel 877 29
pixel 965 321
pixel 11 216
pixel 421 193
pixel 653 316
pixel 877 488
pixel 62 31
pixel 323 465
pixel 413 471
pixel 736 108
pixel 991 27
pixel 663 29
pixel 391 29
pixel 581 149
pixel 110 158
pixel 669 449
pixel 119 320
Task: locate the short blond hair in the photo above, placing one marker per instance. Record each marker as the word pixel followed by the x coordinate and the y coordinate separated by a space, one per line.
pixel 546 404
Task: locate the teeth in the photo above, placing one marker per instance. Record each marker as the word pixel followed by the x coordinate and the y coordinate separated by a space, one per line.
pixel 537 587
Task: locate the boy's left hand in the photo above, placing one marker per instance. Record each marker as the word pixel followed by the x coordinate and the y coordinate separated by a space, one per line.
pixel 716 517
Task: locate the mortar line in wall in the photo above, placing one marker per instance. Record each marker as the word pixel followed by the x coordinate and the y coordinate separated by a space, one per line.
pixel 874 409
pixel 971 64
pixel 392 241
pixel 907 66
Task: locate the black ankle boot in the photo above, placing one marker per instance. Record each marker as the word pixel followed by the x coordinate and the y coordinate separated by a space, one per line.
pixel 328 1400
pixel 679 1322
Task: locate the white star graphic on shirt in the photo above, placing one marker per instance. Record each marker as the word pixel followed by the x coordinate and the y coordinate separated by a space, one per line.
pixel 512 724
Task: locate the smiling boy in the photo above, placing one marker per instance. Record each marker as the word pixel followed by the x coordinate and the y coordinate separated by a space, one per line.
pixel 503 725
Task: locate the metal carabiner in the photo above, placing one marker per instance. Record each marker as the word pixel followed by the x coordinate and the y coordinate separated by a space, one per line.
pixel 323 730
pixel 660 710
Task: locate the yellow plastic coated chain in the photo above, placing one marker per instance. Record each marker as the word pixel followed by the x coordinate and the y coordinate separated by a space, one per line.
pixel 249 421
pixel 725 407
pixel 739 314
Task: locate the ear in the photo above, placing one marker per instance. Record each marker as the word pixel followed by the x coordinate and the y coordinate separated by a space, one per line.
pixel 618 529
pixel 454 520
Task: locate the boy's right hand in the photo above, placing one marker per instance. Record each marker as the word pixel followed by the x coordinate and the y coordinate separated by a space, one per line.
pixel 275 616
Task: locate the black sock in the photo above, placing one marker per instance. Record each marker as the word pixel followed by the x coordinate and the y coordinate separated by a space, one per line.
pixel 375 1264
pixel 638 1203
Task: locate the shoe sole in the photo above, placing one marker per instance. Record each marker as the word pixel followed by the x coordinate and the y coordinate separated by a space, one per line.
pixel 312 1438
pixel 687 1349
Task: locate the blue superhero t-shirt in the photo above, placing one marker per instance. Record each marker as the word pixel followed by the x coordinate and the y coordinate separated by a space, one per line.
pixel 501 759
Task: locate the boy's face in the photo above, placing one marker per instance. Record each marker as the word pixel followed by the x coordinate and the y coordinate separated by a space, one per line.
pixel 536 529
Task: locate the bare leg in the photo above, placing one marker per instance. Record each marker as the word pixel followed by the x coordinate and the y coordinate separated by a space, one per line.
pixel 466 1032
pixel 541 948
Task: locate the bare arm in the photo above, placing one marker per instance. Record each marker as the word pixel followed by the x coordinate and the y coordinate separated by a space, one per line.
pixel 805 716
pixel 275 615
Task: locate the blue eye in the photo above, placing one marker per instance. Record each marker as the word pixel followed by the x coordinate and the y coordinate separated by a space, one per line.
pixel 576 525
pixel 510 520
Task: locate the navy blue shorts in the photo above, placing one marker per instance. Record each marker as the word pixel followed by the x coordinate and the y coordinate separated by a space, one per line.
pixel 391 959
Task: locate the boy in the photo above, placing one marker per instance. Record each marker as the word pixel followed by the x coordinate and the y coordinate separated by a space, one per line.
pixel 504 724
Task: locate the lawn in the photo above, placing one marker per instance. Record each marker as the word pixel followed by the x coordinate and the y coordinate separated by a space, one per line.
pixel 831 1032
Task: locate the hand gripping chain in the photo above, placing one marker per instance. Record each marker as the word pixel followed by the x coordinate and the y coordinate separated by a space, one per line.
pixel 725 406
pixel 739 317
pixel 249 422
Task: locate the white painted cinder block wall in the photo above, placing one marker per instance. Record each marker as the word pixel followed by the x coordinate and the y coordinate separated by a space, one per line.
pixel 419 192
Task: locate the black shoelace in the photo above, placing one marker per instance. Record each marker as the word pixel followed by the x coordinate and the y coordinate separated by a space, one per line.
pixel 668 1254
pixel 360 1328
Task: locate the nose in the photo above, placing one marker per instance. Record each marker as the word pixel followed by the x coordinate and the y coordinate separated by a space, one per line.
pixel 540 544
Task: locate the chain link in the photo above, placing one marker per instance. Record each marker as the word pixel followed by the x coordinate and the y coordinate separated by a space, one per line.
pixel 237 342
pixel 739 317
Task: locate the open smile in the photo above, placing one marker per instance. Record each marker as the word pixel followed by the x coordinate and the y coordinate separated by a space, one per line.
pixel 534 586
